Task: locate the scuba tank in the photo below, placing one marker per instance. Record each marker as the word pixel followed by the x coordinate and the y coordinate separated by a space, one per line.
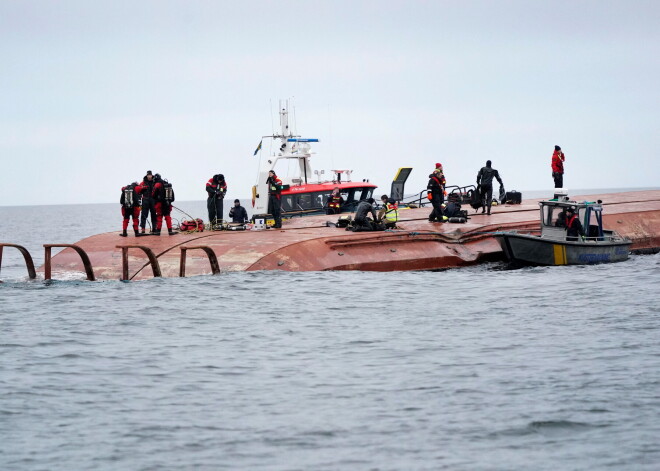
pixel 128 196
pixel 168 191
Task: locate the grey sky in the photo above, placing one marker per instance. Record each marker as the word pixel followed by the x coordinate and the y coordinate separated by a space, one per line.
pixel 92 94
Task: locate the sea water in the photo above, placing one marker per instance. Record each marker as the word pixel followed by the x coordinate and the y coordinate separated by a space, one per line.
pixel 476 368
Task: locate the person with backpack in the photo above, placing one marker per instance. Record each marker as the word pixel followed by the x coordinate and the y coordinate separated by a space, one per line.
pixel 130 207
pixel 435 193
pixel 557 165
pixel 164 197
pixel 485 181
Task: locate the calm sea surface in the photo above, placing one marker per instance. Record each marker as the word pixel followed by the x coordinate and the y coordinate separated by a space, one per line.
pixel 480 368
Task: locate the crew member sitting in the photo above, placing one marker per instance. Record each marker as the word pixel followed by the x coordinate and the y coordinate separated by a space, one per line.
pixel 389 214
pixel 573 226
pixel 238 213
pixel 335 202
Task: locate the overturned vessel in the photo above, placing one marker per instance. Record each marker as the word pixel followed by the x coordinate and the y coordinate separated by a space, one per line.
pixel 310 244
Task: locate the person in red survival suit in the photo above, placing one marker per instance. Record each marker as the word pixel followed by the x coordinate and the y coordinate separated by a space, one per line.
pixel 335 201
pixel 163 196
pixel 557 165
pixel 148 205
pixel 216 188
pixel 275 198
pixel 130 206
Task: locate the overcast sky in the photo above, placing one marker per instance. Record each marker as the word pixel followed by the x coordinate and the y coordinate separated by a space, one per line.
pixel 93 93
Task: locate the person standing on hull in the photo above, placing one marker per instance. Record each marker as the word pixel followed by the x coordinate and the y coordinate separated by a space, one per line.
pixel 557 165
pixel 238 213
pixel 164 197
pixel 148 203
pixel 275 198
pixel 485 180
pixel 130 207
pixel 436 190
pixel 216 188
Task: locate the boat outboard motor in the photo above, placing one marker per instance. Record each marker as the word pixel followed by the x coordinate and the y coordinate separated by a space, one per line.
pixel 561 194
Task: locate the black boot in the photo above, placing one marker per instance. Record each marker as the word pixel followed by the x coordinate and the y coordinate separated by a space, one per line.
pixel 156 232
pixel 171 232
pixel 123 234
pixel 137 233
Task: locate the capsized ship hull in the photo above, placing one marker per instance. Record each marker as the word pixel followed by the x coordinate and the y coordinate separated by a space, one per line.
pixel 308 244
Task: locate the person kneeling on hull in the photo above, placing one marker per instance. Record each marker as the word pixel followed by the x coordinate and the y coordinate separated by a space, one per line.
pixel 164 196
pixel 389 214
pixel 130 207
pixel 361 222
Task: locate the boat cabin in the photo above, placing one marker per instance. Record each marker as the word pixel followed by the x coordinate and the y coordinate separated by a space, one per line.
pixel 590 215
pixel 314 197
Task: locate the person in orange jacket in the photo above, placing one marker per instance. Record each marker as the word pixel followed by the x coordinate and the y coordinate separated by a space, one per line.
pixel 557 165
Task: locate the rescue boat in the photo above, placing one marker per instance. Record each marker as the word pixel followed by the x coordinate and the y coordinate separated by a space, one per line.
pixel 552 246
pixel 305 190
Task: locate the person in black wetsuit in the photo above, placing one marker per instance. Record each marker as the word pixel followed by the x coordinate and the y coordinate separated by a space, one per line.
pixel 275 198
pixel 238 213
pixel 361 222
pixel 216 188
pixel 485 181
pixel 148 202
pixel 436 191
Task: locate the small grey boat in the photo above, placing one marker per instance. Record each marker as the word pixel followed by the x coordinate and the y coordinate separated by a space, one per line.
pixel 554 245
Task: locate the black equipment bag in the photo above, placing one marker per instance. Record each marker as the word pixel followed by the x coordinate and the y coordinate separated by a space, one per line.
pixel 513 197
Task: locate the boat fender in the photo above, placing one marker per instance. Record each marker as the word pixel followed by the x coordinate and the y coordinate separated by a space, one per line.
pixel 457 220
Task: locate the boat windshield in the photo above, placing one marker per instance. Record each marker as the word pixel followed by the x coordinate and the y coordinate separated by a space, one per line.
pixel 553 216
pixel 319 199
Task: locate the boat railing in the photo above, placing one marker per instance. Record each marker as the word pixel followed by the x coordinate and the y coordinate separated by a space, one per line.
pixel 419 199
pixel 585 239
pixel 83 256
pixel 213 259
pixel 29 263
pixel 153 260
